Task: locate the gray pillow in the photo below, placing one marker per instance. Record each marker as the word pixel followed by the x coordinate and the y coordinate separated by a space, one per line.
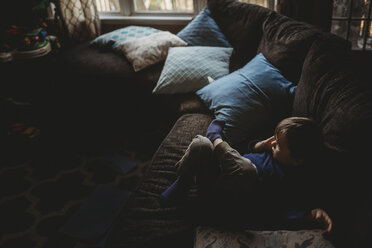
pixel 187 69
pixel 146 51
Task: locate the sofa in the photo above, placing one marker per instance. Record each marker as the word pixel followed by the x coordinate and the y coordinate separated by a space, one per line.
pixel 328 89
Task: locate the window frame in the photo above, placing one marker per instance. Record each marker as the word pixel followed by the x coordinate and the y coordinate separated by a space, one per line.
pixel 366 27
pixel 128 15
pixel 127 8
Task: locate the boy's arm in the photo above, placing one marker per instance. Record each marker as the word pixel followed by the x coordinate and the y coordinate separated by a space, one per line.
pixel 217 141
pixel 315 217
pixel 319 216
pixel 214 131
pixel 260 146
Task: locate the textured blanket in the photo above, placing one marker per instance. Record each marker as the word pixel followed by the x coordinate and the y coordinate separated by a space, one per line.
pixel 144 222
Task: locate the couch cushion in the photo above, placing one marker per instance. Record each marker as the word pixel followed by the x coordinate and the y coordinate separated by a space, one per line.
pixel 285 44
pixel 333 95
pixel 80 64
pixel 144 222
pixel 241 23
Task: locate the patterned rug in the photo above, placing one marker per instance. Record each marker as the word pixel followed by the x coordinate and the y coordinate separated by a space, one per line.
pixel 42 185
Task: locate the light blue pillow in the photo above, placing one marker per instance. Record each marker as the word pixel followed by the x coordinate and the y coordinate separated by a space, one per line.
pixel 203 31
pixel 187 69
pixel 114 38
pixel 250 100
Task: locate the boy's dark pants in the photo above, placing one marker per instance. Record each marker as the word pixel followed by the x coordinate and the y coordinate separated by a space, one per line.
pixel 225 179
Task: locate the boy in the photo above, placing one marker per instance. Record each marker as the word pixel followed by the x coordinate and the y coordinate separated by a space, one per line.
pixel 269 171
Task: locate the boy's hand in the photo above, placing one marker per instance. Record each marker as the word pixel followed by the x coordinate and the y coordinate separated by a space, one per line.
pixel 215 129
pixel 320 216
pixel 264 145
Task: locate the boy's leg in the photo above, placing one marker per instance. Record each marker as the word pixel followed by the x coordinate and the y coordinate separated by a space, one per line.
pixel 231 196
pixel 197 155
pixel 238 172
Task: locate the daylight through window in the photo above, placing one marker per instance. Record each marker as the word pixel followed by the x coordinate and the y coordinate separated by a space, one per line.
pixel 184 6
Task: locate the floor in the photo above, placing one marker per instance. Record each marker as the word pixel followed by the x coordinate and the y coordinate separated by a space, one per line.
pixel 43 182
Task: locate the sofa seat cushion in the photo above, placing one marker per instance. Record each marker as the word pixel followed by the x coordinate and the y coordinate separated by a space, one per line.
pixel 85 65
pixel 144 222
pixel 217 237
pixel 97 93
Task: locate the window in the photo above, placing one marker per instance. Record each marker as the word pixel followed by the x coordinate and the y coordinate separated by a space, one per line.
pixel 351 19
pixel 161 7
pixel 149 7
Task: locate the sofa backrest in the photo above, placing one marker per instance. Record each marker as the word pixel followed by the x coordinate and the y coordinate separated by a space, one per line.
pixel 241 23
pixel 286 42
pixel 330 92
pixel 251 29
pixel 318 62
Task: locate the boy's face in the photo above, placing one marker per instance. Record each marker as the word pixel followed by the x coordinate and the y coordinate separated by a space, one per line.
pixel 281 153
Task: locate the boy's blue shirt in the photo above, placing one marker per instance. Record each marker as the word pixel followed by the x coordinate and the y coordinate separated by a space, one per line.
pixel 271 172
pixel 267 168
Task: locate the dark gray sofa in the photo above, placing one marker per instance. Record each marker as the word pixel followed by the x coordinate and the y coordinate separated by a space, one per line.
pixel 328 90
pixel 99 100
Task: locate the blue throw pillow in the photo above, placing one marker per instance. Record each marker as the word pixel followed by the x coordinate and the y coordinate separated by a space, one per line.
pixel 203 31
pixel 250 99
pixel 114 38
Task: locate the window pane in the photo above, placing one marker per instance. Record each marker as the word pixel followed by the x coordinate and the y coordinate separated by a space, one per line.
pixel 164 5
pixel 263 3
pixel 357 34
pixel 369 38
pixel 108 5
pixel 341 8
pixel 339 28
pixel 360 8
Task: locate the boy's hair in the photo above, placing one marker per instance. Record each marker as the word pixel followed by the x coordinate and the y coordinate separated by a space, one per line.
pixel 304 137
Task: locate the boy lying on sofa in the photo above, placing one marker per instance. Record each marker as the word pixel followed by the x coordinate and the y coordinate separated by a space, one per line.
pixel 268 166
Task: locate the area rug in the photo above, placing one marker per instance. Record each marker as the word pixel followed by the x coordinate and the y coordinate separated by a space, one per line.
pixel 42 186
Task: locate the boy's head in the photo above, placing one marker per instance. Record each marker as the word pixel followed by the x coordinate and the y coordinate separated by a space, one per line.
pixel 296 140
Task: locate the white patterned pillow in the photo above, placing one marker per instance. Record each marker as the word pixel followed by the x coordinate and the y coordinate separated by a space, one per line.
pixel 147 51
pixel 188 69
pixel 114 38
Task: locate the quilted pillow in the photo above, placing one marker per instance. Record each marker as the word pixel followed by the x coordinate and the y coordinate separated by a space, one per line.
pixel 114 38
pixel 187 69
pixel 150 50
pixel 251 100
pixel 203 31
